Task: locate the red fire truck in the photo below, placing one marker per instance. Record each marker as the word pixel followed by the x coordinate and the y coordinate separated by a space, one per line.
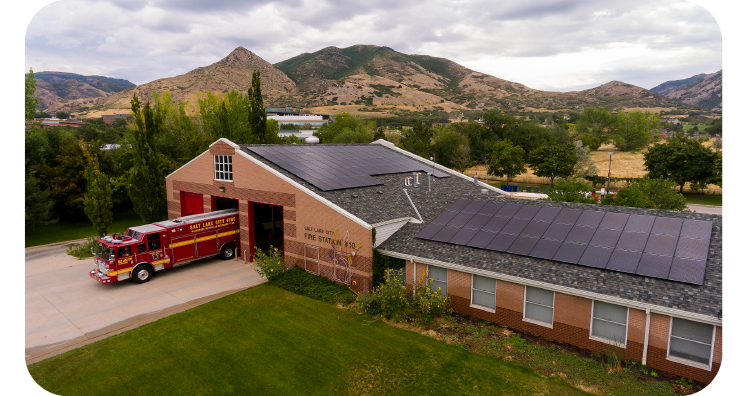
pixel 145 249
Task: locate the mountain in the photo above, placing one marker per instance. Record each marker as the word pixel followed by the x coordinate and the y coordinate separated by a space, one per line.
pixel 702 90
pixel 55 87
pixel 367 78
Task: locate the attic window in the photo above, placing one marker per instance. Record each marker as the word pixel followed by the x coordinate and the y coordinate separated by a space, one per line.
pixel 223 168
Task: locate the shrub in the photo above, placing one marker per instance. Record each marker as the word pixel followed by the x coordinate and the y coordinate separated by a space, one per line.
pixel 83 250
pixel 572 190
pixel 389 299
pixel 430 304
pixel 648 193
pixel 271 265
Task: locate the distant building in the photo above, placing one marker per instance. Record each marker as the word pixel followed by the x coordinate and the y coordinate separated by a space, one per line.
pixel 282 111
pixel 300 134
pixel 315 121
pixel 56 122
pixel 109 118
pixel 672 121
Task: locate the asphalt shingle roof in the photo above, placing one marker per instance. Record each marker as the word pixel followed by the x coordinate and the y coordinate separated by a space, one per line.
pixel 380 203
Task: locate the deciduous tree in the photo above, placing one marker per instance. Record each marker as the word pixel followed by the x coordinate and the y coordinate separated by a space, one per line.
pixel 597 122
pixel 572 190
pixel 98 198
pixel 648 193
pixel 508 160
pixel 633 131
pixel 418 140
pixel 585 165
pixel 38 208
pixel 683 160
pixel 552 161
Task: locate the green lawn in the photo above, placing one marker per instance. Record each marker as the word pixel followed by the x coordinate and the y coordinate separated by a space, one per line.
pixel 70 230
pixel 266 340
pixel 702 199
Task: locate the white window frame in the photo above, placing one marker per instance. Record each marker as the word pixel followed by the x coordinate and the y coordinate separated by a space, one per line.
pixel 539 322
pixel 222 159
pixel 604 340
pixel 472 295
pixel 687 362
pixel 428 270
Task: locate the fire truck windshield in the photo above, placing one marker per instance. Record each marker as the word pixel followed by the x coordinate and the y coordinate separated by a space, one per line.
pixel 105 253
pixel 133 234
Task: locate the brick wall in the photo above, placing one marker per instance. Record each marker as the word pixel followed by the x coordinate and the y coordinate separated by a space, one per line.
pixel 572 322
pixel 301 212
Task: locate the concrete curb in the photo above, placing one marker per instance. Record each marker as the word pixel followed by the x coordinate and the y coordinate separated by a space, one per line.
pixel 57 244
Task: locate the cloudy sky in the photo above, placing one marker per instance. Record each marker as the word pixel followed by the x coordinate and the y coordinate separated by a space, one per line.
pixel 558 45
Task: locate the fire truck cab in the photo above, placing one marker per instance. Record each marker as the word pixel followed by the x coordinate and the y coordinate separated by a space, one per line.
pixel 145 249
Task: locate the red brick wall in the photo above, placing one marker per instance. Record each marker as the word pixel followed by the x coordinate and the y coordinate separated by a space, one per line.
pixel 572 321
pixel 252 182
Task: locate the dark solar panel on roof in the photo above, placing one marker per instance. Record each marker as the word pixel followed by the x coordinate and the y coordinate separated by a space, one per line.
pixel 643 245
pixel 318 165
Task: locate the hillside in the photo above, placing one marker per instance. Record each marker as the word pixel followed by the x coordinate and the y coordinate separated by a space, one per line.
pixel 373 79
pixel 56 87
pixel 702 90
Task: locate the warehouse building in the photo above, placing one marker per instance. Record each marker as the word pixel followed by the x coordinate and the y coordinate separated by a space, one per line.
pixel 644 282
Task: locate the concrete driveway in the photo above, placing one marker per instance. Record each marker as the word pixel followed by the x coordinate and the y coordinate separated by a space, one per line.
pixel 709 209
pixel 66 309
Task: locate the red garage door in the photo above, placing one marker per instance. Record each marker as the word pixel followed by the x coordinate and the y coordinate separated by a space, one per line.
pixel 191 203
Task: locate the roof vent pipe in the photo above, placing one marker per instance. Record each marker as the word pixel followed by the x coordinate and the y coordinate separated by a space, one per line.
pixel 476 179
pixel 312 140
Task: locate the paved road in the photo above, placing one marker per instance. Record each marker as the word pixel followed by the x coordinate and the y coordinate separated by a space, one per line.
pixel 709 209
pixel 66 309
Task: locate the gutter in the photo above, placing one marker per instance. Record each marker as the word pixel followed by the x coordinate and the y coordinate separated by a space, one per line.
pixel 645 338
pixel 564 289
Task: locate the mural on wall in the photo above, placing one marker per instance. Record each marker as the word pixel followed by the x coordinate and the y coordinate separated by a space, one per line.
pixel 341 255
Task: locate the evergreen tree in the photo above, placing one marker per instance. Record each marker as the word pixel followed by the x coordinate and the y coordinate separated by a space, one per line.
pixel 98 200
pixel 38 208
pixel 257 114
pixel 146 185
pixel 31 101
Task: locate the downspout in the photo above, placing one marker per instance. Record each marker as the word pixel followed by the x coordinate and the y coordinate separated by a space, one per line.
pixel 645 337
pixel 414 276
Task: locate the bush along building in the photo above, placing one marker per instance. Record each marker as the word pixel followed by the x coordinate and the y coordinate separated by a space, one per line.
pixel 644 283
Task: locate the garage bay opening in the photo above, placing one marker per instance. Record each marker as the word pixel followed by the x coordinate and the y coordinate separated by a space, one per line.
pixel 268 226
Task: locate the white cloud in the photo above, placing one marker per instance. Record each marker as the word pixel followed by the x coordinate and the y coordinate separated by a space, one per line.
pixel 566 44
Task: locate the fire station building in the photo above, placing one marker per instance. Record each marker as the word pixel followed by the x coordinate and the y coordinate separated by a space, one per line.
pixel 645 282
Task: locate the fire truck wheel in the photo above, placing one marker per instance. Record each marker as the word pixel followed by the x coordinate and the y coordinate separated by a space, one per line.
pixel 226 252
pixel 142 273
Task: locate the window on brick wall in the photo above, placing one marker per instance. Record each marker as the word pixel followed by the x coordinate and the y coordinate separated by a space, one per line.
pixel 437 279
pixel 483 291
pixel 223 168
pixel 609 322
pixel 691 341
pixel 539 304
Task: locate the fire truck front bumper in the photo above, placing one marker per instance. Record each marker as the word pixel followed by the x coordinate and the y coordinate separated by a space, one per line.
pixel 101 277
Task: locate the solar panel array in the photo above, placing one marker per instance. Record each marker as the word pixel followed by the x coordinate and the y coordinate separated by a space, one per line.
pixel 339 167
pixel 658 247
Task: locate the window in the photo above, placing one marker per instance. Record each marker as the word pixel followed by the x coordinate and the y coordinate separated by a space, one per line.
pixel 483 291
pixel 141 248
pixel 437 278
pixel 223 168
pixel 691 341
pixel 538 304
pixel 609 322
pixel 154 242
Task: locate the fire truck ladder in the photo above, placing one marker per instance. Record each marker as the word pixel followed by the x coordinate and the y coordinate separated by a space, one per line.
pixel 313 260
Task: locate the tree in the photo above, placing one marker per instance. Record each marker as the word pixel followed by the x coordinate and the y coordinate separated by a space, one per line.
pixel 348 124
pixel 418 140
pixel 715 128
pixel 446 146
pixel 31 101
pixel 683 160
pixel 98 199
pixel 633 131
pixel 508 160
pixel 379 134
pixel 146 186
pixel 595 122
pixel 257 114
pixel 648 193
pixel 585 165
pixel 38 208
pixel 460 158
pixel 552 161
pixel 572 190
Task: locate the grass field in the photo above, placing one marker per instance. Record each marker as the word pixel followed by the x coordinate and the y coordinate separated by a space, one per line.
pixel 71 230
pixel 715 200
pixel 266 340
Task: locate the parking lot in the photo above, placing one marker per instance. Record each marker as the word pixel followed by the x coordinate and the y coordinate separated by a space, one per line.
pixel 66 309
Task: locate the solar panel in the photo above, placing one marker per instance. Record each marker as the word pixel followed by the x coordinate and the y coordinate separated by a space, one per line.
pixel 654 265
pixel 624 261
pixel 596 256
pixel 688 271
pixel 660 247
pixel 570 252
pixel 580 235
pixel 319 165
